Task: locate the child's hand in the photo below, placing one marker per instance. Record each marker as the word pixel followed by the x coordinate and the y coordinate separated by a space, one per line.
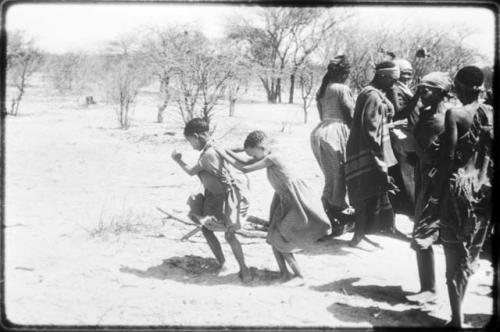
pixel 177 156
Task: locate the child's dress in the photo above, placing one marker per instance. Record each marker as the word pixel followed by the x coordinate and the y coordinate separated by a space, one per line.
pixel 297 218
pixel 225 196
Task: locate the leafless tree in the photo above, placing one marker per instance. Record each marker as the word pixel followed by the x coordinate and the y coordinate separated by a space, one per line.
pixel 270 46
pixel 65 71
pixel 365 47
pixel 307 79
pixel 306 39
pixel 200 76
pixel 124 74
pixel 23 60
pixel 240 72
pixel 160 51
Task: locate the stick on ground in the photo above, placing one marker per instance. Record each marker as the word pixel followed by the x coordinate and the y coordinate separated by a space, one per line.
pixel 191 233
pixel 174 217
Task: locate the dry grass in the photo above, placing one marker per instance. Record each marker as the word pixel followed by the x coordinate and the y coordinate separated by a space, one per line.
pixel 125 221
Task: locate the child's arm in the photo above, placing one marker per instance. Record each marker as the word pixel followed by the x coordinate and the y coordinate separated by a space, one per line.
pixel 252 166
pixel 190 170
pixel 235 156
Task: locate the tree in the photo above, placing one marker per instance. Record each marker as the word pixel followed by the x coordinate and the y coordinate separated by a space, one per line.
pixel 23 60
pixel 307 79
pixel 160 53
pixel 200 76
pixel 124 74
pixel 364 47
pixel 66 71
pixel 269 46
pixel 240 72
pixel 307 38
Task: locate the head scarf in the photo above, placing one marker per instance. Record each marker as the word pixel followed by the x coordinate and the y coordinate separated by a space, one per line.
pixel 387 69
pixel 339 64
pixel 404 65
pixel 437 80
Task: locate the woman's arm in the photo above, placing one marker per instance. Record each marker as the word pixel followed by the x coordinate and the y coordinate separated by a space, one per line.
pixel 411 111
pixel 318 105
pixel 447 146
pixel 246 168
pixel 347 102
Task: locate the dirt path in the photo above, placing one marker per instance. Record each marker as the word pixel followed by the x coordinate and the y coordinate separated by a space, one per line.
pixel 71 175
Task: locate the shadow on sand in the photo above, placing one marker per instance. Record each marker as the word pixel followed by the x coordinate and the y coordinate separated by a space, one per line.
pixel 388 294
pixel 484 321
pixel 200 270
pixel 381 318
pixel 330 246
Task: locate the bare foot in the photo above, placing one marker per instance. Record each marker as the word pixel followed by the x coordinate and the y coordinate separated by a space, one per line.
pixel 245 276
pixel 373 243
pixel 355 241
pixel 285 276
pixel 423 297
pixel 296 281
pixel 222 270
pixel 453 325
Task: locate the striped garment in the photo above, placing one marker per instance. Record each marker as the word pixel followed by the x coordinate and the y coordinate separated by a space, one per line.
pixel 369 151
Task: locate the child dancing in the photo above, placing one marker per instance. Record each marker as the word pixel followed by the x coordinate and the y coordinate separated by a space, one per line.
pixel 297 220
pixel 224 204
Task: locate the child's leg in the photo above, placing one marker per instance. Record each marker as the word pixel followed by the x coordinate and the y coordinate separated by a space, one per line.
pixel 290 259
pixel 214 245
pixel 284 274
pixel 238 253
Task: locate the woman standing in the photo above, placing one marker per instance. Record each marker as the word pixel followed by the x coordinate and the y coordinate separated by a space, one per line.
pixel 329 139
pixel 463 183
pixel 369 155
pixel 427 123
pixel 402 141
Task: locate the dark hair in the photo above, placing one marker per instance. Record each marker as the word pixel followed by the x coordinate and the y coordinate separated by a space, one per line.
pixel 196 126
pixel 470 76
pixel 335 70
pixel 386 64
pixel 255 138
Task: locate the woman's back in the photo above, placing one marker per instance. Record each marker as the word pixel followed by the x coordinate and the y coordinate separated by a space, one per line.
pixel 336 101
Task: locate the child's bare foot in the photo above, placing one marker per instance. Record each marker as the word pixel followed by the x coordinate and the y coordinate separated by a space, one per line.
pixel 295 281
pixel 373 243
pixel 221 270
pixel 245 275
pixel 356 240
pixel 285 276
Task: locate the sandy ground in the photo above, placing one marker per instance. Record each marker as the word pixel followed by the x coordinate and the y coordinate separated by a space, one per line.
pixel 86 245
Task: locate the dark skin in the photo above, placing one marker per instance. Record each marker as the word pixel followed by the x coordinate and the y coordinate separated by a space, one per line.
pixel 198 142
pixel 257 162
pixel 458 121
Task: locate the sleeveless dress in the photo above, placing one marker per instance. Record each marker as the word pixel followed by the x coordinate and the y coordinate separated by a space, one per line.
pixel 297 219
pixel 329 140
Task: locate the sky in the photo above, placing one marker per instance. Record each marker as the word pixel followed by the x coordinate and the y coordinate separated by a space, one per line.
pixel 60 28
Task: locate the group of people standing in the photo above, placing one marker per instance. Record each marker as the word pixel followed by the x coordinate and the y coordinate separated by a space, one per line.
pixel 442 154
